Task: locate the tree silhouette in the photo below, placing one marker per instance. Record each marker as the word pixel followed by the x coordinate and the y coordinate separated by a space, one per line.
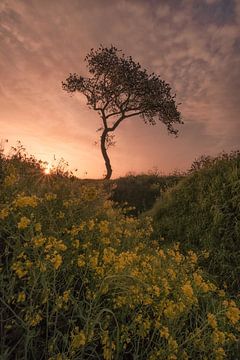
pixel 119 88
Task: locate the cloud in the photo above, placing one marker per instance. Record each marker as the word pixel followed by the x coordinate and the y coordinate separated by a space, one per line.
pixel 192 44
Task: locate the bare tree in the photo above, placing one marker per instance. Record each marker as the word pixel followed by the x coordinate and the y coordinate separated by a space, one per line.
pixel 118 89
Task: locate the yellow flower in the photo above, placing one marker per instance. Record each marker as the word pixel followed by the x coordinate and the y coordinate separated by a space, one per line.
pixel 78 340
pixel 172 344
pixel 80 261
pixel 21 296
pixel 19 269
pixel 164 332
pixel 38 241
pixel 61 215
pixel 4 213
pixel 197 279
pixel 34 319
pixel 56 260
pixel 212 320
pixel 220 354
pixel 23 201
pixel 50 196
pixel 104 227
pixel 192 256
pixel 233 314
pixel 10 180
pixel 187 289
pixel 108 255
pixel 38 227
pixel 170 311
pixel 23 223
pixel 42 267
pixel 218 337
pixel 66 295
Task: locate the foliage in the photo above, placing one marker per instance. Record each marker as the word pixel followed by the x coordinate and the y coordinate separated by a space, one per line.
pixel 119 89
pixel 80 279
pixel 141 191
pixel 203 212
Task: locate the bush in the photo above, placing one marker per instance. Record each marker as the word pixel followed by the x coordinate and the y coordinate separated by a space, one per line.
pixel 203 212
pixel 141 191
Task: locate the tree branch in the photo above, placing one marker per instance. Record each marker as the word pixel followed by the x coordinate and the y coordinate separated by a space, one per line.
pixel 115 125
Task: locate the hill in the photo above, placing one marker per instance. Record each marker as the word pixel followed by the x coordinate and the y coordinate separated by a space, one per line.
pixel 202 212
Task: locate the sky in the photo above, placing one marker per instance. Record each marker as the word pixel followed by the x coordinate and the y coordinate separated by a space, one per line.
pixel 194 45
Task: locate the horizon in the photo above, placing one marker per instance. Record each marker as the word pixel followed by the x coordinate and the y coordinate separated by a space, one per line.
pixel 192 45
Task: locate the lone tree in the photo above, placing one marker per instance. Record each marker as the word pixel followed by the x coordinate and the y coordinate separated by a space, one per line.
pixel 119 88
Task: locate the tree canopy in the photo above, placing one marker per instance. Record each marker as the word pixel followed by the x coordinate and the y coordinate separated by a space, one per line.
pixel 118 88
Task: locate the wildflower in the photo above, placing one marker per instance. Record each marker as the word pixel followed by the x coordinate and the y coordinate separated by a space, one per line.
pixel 187 289
pixel 38 241
pixel 56 261
pixel 108 255
pixel 50 196
pixel 80 261
pixel 192 256
pixel 221 293
pixel 233 314
pixel 10 180
pixel 42 267
pixel 4 213
pixel 197 279
pixel 35 319
pixel 66 296
pixel 104 227
pixel 78 340
pixel 90 224
pixel 19 269
pixel 164 332
pixel 218 337
pixel 172 344
pixel 23 223
pixel 220 354
pixel 38 227
pixel 21 296
pixel 170 310
pixel 61 215
pixel 23 201
pixel 212 320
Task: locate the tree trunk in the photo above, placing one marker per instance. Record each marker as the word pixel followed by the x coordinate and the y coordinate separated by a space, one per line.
pixel 105 155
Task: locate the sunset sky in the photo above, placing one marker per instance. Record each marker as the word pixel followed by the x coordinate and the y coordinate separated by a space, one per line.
pixel 192 44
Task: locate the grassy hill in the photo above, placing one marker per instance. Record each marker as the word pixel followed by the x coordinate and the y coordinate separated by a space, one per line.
pixel 202 212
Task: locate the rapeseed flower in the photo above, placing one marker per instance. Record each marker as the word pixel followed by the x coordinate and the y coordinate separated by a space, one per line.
pixel 188 290
pixel 4 213
pixel 56 260
pixel 212 320
pixel 23 223
pixel 23 201
pixel 21 297
pixel 78 339
pixel 233 314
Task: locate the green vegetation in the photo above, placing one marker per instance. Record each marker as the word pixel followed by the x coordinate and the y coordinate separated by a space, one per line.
pixel 141 191
pixel 80 278
pixel 202 212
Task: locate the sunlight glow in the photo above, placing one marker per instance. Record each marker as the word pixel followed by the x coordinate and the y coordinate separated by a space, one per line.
pixel 47 169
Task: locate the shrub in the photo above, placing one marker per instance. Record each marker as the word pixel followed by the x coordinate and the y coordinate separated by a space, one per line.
pixel 141 191
pixel 203 212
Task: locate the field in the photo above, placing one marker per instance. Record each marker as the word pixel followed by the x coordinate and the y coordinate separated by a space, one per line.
pixel 86 277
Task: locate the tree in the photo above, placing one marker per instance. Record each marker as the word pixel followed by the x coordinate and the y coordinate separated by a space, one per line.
pixel 119 89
